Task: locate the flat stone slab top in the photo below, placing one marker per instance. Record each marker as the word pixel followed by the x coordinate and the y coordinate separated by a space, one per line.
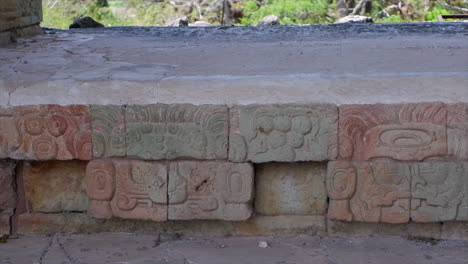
pixel 395 192
pixel 45 132
pixel 338 64
pixel 401 132
pixel 263 133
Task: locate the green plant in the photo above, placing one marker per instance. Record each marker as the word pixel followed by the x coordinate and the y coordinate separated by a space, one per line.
pixel 289 12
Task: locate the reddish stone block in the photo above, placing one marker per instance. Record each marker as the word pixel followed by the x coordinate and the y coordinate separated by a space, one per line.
pixel 369 191
pixel 457 130
pixel 127 189
pixel 439 191
pixel 55 186
pixel 7 187
pixel 401 132
pixel 45 132
pixel 210 190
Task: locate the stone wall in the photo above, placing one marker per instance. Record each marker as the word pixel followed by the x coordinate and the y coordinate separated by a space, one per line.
pixel 19 18
pixel 352 170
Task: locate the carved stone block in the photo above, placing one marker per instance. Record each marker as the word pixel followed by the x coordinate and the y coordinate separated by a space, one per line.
pixel 401 132
pixel 176 131
pixel 369 191
pixel 108 125
pixel 55 186
pixel 210 190
pixel 439 191
pixel 7 187
pixel 457 130
pixel 290 189
pixel 283 133
pixel 45 132
pixel 130 189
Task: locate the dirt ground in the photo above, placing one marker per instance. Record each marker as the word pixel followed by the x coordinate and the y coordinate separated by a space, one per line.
pixel 158 249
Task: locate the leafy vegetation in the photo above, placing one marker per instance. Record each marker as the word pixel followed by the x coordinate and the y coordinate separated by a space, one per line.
pixel 61 13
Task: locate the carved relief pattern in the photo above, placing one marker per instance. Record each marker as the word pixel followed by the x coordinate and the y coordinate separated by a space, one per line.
pixel 283 133
pixel 401 132
pixel 45 132
pixel 439 192
pixel 457 130
pixel 369 192
pixel 7 187
pixel 108 127
pixel 210 190
pixel 127 189
pixel 176 131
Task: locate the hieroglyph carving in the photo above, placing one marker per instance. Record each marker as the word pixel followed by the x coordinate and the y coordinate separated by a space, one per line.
pixel 401 132
pixel 45 132
pixel 439 191
pixel 176 131
pixel 210 190
pixel 283 133
pixel 369 191
pixel 108 127
pixel 457 130
pixel 127 189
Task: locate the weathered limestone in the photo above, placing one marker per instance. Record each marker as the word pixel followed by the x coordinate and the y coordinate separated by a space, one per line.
pixel 210 190
pixel 262 133
pixel 176 131
pixel 439 191
pixel 55 186
pixel 457 130
pixel 282 225
pixel 369 191
pixel 19 17
pixel 7 195
pixel 455 230
pixel 7 187
pixel 360 229
pixel 290 189
pixel 108 126
pixel 380 191
pixel 400 132
pixel 130 189
pixel 45 132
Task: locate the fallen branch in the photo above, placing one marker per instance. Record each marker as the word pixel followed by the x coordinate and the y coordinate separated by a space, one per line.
pixel 454 8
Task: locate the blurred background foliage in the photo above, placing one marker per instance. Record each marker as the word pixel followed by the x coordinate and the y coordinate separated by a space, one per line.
pixel 61 13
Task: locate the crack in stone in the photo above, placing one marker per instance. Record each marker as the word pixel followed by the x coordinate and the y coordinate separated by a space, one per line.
pixel 62 247
pixel 46 250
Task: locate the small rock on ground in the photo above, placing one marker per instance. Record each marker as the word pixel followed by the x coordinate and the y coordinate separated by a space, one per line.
pixel 270 20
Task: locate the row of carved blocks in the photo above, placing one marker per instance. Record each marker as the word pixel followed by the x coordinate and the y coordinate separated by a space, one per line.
pixel 362 191
pixel 161 191
pixel 256 133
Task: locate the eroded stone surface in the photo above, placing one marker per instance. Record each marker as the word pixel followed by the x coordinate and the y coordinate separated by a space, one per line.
pixel 290 188
pixel 7 187
pixel 45 132
pixel 176 131
pixel 439 191
pixel 4 224
pixel 283 133
pixel 369 191
pixel 401 132
pixel 55 186
pixel 457 130
pixel 127 189
pixel 210 190
pixel 108 127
